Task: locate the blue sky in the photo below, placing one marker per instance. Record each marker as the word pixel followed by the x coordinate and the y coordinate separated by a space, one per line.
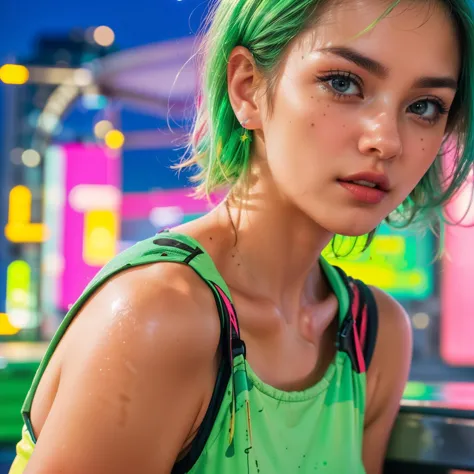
pixel 135 22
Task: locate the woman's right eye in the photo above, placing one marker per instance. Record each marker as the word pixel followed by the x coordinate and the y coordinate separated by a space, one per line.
pixel 341 84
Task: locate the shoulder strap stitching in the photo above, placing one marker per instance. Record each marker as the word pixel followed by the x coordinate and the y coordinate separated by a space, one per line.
pixel 167 242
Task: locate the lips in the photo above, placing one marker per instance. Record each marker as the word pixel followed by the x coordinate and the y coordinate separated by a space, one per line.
pixel 368 187
pixel 368 179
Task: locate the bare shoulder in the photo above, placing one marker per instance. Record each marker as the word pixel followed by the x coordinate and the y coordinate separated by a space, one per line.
pixel 139 363
pixel 386 378
pixel 166 301
pixel 394 322
pixel 393 349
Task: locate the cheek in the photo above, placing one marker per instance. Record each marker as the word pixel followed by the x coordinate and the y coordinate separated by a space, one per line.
pixel 329 131
pixel 305 134
pixel 422 152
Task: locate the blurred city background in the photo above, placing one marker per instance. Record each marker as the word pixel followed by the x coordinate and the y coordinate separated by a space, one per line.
pixel 95 100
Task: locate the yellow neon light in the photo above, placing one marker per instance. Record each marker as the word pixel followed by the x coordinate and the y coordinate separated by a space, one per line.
pixel 18 295
pixel 18 285
pixel 6 327
pixel 114 139
pixel 26 233
pixel 14 74
pixel 100 237
pixel 20 205
pixel 388 245
pixel 19 228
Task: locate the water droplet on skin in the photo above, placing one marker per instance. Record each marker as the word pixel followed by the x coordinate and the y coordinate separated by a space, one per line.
pixel 130 367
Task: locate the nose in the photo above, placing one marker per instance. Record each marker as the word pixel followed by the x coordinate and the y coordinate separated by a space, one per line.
pixel 381 137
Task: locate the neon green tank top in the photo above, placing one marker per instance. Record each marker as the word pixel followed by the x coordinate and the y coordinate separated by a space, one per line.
pixel 251 427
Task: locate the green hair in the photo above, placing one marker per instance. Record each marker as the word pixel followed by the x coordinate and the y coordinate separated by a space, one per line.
pixel 266 28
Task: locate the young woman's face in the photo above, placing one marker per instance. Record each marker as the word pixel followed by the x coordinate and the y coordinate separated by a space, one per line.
pixel 350 113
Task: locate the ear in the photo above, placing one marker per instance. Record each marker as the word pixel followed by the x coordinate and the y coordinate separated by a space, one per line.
pixel 243 80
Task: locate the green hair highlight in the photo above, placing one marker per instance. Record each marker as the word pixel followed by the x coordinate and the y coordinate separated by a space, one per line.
pixel 266 28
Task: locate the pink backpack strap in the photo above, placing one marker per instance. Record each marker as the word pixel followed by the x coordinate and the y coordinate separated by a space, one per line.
pixel 358 331
pixel 365 319
pixel 359 316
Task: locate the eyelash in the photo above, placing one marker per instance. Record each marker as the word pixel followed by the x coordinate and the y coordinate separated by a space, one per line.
pixel 338 74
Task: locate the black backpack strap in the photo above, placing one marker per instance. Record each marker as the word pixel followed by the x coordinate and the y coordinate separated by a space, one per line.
pixel 358 332
pixel 367 322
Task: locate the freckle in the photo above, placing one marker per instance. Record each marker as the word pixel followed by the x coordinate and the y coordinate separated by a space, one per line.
pixel 312 96
pixel 210 238
pixel 124 398
pixel 324 115
pixel 312 124
pixel 131 367
pixel 302 57
pixel 422 139
pixel 327 106
pixel 423 149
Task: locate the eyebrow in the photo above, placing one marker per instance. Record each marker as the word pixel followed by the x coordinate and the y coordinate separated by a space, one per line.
pixel 369 64
pixel 436 83
pixel 381 71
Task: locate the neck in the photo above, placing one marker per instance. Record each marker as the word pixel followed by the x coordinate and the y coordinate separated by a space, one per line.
pixel 277 247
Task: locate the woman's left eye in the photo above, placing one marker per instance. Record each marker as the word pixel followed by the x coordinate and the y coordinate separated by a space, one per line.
pixel 428 110
pixel 342 84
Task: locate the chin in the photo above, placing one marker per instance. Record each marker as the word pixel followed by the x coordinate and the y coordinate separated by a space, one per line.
pixel 351 232
pixel 348 226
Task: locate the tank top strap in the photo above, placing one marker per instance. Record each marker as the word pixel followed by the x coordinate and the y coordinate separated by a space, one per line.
pixel 358 331
pixel 187 250
pixel 233 346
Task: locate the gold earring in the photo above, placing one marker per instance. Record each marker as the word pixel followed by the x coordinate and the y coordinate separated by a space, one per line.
pixel 245 136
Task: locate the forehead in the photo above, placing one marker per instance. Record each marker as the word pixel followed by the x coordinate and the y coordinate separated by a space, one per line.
pixel 416 37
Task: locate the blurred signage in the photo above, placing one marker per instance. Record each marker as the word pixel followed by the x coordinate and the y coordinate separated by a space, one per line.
pixel 82 212
pixel 399 262
pixel 457 275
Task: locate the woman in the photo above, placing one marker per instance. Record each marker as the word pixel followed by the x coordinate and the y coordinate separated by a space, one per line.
pixel 324 119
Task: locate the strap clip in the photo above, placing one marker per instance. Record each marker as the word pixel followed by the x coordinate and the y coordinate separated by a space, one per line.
pixel 238 347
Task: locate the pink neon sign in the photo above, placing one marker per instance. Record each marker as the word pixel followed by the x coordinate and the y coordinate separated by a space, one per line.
pixel 140 205
pixel 98 168
pixel 457 277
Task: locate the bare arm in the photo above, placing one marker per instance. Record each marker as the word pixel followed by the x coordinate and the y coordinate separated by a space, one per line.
pixel 387 377
pixel 139 362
